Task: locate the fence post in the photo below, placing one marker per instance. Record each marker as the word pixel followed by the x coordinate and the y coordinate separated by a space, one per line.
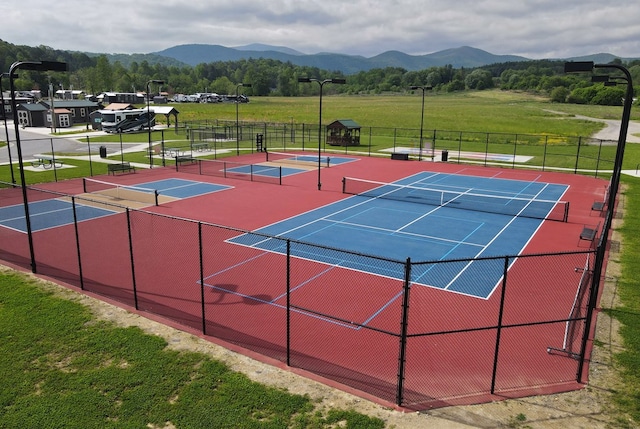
pixel 575 170
pixel 90 162
pixel 544 154
pixel 596 274
pixel 288 285
pixel 433 146
pixel 133 271
pixel 515 151
pixel 403 332
pixel 201 256
pixel 75 226
pixel 53 160
pixel 598 160
pixel 499 326
pixel 486 150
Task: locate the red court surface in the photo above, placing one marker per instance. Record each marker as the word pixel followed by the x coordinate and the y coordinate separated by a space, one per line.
pixel 344 326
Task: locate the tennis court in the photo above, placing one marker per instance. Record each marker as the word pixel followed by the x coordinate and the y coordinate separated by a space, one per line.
pixel 427 217
pixel 100 198
pixel 323 280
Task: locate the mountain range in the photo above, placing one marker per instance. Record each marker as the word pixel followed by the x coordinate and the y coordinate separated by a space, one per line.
pixel 465 56
pixel 193 54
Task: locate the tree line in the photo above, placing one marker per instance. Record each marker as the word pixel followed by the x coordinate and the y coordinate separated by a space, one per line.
pixel 95 73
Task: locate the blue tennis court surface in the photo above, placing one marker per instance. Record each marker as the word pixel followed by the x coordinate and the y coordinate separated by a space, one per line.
pixel 323 160
pixel 470 217
pixel 180 188
pixel 265 170
pixel 52 213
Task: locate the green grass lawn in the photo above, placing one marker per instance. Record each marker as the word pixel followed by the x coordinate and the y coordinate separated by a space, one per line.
pixel 627 397
pixel 62 368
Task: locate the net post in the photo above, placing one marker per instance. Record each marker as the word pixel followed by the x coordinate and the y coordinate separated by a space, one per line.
pixel 344 184
pixel 155 196
pixel 84 185
pixel 566 212
pixel 280 175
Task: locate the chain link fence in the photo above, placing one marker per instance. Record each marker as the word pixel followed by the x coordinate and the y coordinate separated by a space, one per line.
pixel 393 334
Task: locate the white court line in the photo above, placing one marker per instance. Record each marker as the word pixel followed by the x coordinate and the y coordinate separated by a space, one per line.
pixel 490 242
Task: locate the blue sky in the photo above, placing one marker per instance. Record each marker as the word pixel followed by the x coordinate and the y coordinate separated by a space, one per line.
pixel 534 29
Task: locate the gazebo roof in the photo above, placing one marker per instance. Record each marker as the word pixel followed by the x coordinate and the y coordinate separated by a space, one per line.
pixel 344 123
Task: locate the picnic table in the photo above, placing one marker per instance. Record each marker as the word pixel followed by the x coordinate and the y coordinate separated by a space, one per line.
pixel 46 161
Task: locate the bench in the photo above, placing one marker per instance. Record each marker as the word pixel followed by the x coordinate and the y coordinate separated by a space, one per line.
pixel 589 233
pixel 400 156
pixel 46 161
pixel 200 147
pixel 122 166
pixel 185 158
pixel 599 206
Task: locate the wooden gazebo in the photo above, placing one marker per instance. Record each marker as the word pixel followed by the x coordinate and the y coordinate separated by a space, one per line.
pixel 343 132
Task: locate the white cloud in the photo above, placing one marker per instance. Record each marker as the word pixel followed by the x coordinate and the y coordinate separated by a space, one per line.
pixel 535 29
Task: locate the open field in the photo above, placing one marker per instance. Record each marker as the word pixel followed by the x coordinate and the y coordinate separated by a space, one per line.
pixel 484 111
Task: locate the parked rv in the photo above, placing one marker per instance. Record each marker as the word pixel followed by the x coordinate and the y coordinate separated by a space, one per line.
pixel 126 121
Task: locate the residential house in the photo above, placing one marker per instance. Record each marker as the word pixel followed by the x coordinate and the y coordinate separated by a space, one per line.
pixel 73 112
pixel 67 113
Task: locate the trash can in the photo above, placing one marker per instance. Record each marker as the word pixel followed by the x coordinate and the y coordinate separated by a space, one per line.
pixel 445 155
pixel 103 151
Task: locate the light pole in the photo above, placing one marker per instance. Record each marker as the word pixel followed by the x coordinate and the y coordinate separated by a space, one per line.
pixel 321 83
pixel 247 85
pixel 423 88
pixel 6 130
pixel 35 66
pixel 589 66
pixel 159 82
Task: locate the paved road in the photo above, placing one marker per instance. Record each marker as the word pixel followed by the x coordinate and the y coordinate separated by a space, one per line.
pixel 33 143
pixel 611 130
pixel 38 140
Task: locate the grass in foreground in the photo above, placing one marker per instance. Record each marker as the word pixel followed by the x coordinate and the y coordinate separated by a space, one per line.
pixel 62 368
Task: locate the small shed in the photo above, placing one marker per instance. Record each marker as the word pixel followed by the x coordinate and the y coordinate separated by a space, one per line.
pixel 343 132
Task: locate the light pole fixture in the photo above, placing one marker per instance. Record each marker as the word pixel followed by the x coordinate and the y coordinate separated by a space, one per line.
pixel 321 83
pixel 159 82
pixel 247 85
pixel 423 88
pixel 6 129
pixel 34 66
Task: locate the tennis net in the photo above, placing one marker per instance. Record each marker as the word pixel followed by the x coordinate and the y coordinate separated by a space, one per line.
pixel 511 206
pixel 120 192
pixel 235 170
pixel 297 159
